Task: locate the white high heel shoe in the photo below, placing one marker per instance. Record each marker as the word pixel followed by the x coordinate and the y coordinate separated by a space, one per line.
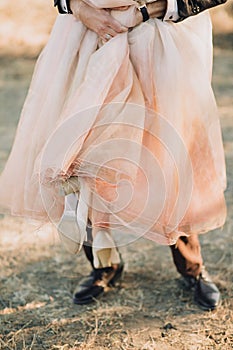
pixel 72 226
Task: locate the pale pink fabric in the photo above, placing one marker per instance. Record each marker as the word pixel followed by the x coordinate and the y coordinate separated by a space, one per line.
pixel 135 118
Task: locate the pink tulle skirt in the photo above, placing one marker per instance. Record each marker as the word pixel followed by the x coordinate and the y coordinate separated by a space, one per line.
pixel 135 119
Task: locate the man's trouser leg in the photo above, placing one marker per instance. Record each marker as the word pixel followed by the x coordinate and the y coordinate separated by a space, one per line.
pixel 187 256
pixel 87 246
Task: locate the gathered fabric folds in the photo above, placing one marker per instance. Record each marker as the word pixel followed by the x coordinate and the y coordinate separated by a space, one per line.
pixel 135 118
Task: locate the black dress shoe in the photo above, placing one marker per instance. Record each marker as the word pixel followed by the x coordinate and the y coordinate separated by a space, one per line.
pixel 92 286
pixel 206 294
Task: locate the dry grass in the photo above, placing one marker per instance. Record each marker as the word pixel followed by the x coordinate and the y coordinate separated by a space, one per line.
pixel 150 310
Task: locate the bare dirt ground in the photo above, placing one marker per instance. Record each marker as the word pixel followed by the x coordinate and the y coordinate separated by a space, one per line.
pixel 151 309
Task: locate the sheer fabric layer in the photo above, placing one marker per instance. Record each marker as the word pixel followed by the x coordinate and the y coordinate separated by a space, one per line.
pixel 135 118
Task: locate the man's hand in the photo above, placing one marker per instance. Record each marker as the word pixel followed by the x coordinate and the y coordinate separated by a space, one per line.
pixel 155 9
pixel 98 20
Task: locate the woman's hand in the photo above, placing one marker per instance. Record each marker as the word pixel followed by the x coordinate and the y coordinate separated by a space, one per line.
pixel 98 20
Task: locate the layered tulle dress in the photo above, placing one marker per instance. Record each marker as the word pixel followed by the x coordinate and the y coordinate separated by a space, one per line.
pixel 135 119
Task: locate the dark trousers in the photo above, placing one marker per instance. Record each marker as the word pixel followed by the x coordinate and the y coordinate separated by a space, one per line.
pixel 186 255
